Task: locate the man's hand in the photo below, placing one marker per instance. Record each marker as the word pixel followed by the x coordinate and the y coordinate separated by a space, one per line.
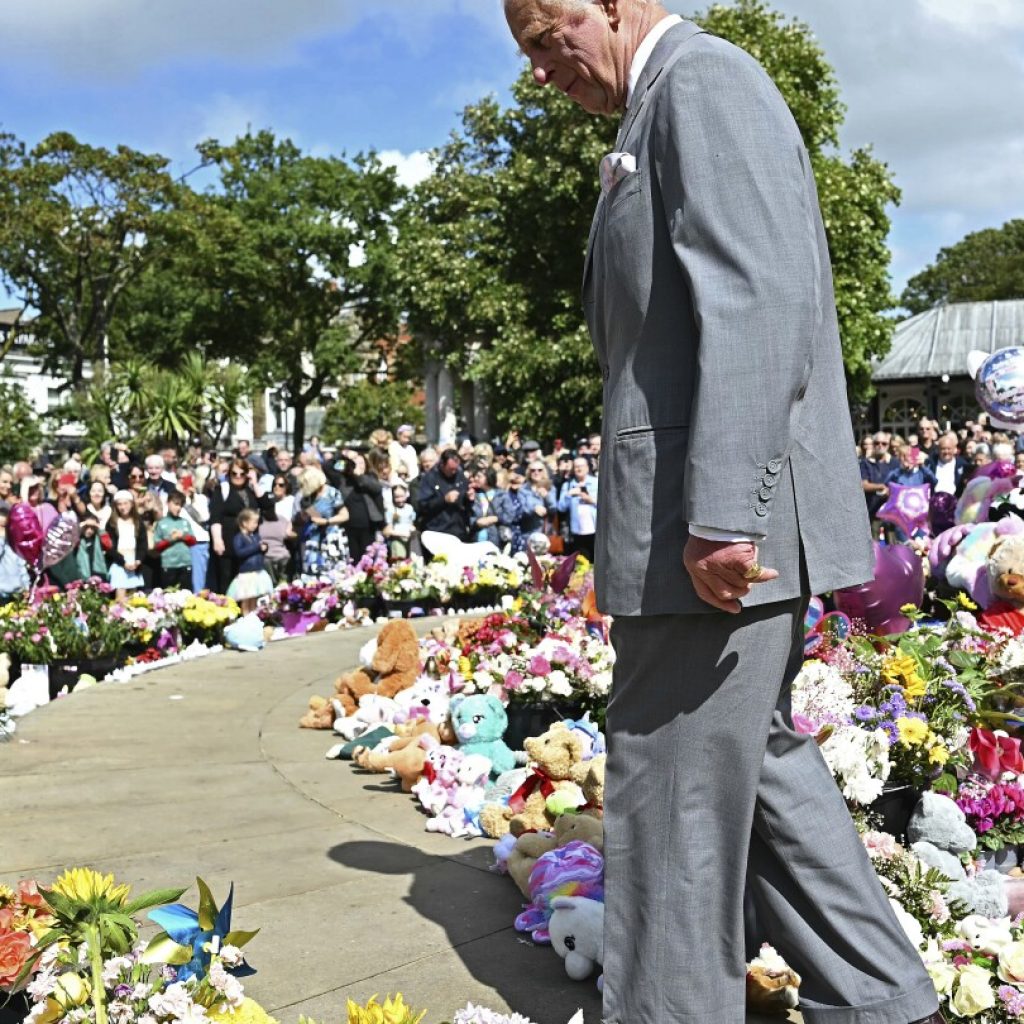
pixel 452 496
pixel 717 568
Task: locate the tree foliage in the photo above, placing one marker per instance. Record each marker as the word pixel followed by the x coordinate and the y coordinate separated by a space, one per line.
pixel 363 407
pixel 493 259
pixel 20 430
pixel 78 224
pixel 983 266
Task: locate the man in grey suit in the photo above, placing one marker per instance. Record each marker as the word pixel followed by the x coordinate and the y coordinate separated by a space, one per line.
pixel 708 295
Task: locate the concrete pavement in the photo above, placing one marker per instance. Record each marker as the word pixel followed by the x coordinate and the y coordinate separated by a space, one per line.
pixel 200 769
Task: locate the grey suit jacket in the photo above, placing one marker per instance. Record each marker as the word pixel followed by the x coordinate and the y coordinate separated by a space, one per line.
pixel 708 294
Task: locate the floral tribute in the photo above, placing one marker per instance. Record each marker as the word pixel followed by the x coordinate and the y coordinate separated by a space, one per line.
pixel 73 950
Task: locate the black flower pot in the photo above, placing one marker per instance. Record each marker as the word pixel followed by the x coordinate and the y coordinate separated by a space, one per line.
pixel 895 806
pixel 526 720
pixel 15 1009
pixel 67 671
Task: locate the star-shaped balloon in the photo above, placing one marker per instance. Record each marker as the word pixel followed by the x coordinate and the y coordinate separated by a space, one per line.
pixel 907 507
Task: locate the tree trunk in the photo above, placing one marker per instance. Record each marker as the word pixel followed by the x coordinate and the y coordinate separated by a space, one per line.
pixel 299 427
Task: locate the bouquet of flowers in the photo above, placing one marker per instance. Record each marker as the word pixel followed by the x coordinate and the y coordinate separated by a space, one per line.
pixel 205 615
pixel 408 580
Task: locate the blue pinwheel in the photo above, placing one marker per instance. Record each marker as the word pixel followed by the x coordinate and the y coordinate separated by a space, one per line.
pixel 186 941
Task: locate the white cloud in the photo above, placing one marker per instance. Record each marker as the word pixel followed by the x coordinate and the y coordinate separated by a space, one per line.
pixel 980 17
pixel 111 38
pixel 412 168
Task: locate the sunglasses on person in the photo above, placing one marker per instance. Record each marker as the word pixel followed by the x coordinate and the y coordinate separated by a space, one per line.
pixel 135 475
pixel 280 483
pixel 238 472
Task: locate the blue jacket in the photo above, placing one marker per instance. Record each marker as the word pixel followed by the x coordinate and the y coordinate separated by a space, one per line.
pixel 247 552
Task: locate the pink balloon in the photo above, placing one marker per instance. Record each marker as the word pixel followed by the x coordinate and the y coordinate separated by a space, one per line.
pixel 24 533
pixel 907 507
pixel 899 580
pixel 46 514
pixel 60 540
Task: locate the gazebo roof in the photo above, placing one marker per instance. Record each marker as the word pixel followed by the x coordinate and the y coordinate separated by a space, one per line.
pixel 938 341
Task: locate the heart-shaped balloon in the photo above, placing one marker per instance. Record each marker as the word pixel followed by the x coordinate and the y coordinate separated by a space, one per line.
pixel 60 540
pixel 24 533
pixel 899 580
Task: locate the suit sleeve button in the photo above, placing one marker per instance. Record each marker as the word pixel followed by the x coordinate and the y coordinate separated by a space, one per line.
pixel 774 466
pixel 761 510
pixel 770 479
pixel 765 493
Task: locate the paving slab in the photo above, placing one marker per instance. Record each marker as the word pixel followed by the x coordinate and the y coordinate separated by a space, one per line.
pixel 200 769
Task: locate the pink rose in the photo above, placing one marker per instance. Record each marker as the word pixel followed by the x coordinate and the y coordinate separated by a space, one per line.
pixel 15 949
pixel 880 845
pixel 803 724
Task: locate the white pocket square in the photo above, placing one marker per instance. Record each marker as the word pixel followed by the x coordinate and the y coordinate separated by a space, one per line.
pixel 615 167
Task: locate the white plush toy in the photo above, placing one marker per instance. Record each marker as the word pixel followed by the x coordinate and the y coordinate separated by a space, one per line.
pixel 577 935
pixel 372 711
pixel 426 698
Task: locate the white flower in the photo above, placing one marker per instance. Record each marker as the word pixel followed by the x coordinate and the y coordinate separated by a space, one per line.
pixel 232 956
pixel 909 924
pixel 822 694
pixel 41 985
pixel 113 967
pixel 859 760
pixel 174 1001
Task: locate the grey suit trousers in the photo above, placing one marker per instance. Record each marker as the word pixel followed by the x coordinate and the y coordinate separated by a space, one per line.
pixel 710 791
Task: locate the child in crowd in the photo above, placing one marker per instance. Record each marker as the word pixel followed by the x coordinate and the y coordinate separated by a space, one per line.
pixel 126 544
pixel 253 581
pixel 14 579
pixel 90 556
pixel 400 529
pixel 276 530
pixel 173 539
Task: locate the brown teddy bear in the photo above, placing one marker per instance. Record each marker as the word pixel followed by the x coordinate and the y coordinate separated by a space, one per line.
pixel 405 735
pixel 530 845
pixel 319 716
pixel 554 756
pixel 395 666
pixel 589 775
pixel 406 762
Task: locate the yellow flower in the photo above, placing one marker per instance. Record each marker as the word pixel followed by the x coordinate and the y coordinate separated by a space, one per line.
pixel 914 686
pixel 69 991
pixel 86 885
pixel 908 608
pixel 966 602
pixel 250 1012
pixel 465 667
pixel 973 992
pixel 938 754
pixel 394 1011
pixel 6 894
pixel 913 731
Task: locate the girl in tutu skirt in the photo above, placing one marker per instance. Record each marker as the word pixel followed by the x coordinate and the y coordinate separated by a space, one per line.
pixel 253 580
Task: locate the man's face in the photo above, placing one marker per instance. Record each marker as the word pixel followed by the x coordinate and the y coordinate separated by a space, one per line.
pixel 154 469
pixel 170 457
pixel 404 436
pixel 450 467
pixel 243 448
pixel 284 461
pixel 578 52
pixel 581 469
pixel 428 460
pixel 947 449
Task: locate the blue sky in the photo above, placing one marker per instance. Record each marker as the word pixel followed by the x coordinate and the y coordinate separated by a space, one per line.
pixel 935 85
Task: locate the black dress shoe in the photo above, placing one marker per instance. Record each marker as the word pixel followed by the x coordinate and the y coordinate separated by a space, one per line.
pixel 935 1018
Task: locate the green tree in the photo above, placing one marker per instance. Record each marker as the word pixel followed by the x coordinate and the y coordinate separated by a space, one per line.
pixel 493 257
pixel 982 266
pixel 304 282
pixel 362 408
pixel 20 430
pixel 77 224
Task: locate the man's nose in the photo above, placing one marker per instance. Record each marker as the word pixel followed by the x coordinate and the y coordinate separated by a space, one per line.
pixel 541 75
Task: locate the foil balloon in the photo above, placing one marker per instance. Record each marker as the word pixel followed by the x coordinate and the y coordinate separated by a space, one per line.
pixel 818 625
pixel 907 507
pixel 24 532
pixel 538 543
pixel 999 385
pixel 941 512
pixel 899 580
pixel 60 540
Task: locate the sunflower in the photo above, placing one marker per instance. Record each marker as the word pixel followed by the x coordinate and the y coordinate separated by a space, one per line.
pixel 394 1011
pixel 88 886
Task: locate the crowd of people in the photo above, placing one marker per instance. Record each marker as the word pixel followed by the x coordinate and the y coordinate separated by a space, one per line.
pixel 945 461
pixel 240 522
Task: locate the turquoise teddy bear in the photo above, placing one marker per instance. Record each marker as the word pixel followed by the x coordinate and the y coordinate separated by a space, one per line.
pixel 479 723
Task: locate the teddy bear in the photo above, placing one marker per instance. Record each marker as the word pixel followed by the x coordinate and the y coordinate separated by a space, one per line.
pixel 577 934
pixel 589 775
pixel 394 667
pixel 772 985
pixel 554 756
pixel 439 778
pixel 1005 572
pixel 427 698
pixel 373 711
pixel 530 846
pixel 480 722
pixel 460 816
pixel 406 763
pixel 320 714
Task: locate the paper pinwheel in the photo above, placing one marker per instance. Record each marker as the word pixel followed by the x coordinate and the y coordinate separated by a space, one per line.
pixel 189 938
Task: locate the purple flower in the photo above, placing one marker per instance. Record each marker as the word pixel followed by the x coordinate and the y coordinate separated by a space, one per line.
pixel 513 680
pixel 539 665
pixel 865 713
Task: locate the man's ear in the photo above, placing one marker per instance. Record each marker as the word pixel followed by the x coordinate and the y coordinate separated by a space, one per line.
pixel 611 10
